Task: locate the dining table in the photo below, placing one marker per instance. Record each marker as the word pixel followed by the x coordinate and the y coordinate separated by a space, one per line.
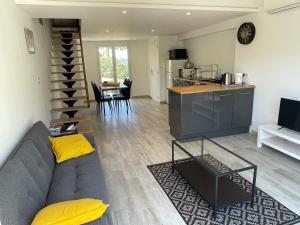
pixel 112 87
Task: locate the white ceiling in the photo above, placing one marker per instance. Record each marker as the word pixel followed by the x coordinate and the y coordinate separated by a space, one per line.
pixel 137 23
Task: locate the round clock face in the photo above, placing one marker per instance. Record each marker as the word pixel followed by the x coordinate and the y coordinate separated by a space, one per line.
pixel 246 33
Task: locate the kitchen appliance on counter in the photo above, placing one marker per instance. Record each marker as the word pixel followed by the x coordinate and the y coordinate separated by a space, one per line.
pixel 173 70
pixel 189 65
pixel 178 54
pixel 227 79
pixel 188 73
pixel 238 78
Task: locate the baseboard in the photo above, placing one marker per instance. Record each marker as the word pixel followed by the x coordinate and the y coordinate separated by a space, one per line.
pixel 142 96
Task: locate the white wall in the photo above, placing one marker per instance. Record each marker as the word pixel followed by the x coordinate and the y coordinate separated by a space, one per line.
pixel 153 69
pixel 138 60
pixel 271 60
pixel 217 48
pixel 23 99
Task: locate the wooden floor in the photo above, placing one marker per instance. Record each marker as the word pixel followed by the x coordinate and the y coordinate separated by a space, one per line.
pixel 127 143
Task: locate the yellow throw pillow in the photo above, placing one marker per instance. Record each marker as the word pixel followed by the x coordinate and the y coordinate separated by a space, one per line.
pixel 74 212
pixel 70 146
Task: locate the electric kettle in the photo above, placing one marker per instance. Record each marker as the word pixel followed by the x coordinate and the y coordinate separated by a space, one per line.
pixel 227 79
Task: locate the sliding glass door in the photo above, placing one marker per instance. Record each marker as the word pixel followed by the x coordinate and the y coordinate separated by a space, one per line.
pixel 114 63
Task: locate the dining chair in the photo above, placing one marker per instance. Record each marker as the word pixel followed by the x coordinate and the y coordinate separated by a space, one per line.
pixel 121 91
pixel 124 96
pixel 101 99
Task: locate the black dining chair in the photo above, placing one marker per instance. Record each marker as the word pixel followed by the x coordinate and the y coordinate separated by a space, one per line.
pixel 121 91
pixel 125 95
pixel 101 99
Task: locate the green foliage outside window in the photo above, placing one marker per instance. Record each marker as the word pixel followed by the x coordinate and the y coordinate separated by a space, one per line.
pixel 106 63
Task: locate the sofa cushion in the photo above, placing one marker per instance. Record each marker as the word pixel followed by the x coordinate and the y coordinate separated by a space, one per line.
pixel 70 147
pixel 39 134
pixel 35 164
pixel 20 196
pixel 71 212
pixel 78 178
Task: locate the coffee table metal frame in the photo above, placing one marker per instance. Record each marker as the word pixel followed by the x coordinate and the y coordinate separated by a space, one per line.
pixel 216 176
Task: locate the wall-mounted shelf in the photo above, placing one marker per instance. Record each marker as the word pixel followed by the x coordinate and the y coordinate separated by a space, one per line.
pixel 283 140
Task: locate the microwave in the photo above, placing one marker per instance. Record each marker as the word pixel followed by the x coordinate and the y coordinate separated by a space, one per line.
pixel 177 54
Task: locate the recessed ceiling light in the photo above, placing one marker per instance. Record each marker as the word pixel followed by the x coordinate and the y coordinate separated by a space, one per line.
pixel 188 13
pixel 124 11
pixel 152 30
pixel 107 30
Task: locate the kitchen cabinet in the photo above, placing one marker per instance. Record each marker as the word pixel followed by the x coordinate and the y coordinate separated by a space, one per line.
pixel 242 108
pixel 197 113
pixel 212 114
pixel 223 109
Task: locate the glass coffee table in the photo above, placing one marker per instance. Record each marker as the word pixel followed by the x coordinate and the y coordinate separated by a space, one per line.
pixel 210 169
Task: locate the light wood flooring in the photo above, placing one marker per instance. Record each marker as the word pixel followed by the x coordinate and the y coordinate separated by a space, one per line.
pixel 127 143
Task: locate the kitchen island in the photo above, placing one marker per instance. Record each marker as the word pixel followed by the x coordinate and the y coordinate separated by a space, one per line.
pixel 210 109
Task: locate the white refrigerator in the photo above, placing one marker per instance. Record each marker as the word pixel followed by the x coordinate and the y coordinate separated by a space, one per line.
pixel 172 70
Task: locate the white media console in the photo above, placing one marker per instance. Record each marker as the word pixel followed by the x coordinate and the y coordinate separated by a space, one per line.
pixel 284 140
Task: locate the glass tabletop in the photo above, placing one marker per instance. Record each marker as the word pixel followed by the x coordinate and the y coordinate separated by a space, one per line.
pixel 216 159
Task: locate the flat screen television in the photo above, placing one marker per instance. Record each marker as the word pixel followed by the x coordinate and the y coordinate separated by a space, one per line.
pixel 289 114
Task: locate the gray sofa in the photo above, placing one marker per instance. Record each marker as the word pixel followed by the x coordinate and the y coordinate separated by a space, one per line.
pixel 30 179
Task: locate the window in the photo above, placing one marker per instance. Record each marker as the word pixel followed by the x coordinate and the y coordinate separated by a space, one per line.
pixel 114 65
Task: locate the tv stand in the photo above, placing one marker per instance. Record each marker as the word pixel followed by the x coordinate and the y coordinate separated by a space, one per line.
pixel 283 140
pixel 280 128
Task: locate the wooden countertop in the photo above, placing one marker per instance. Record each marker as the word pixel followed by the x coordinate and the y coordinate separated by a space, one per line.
pixel 209 87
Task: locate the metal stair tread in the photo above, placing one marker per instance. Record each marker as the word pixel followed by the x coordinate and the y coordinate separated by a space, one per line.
pixel 65 57
pixel 69 120
pixel 75 64
pixel 67 81
pixel 67 72
pixel 70 109
pixel 69 98
pixel 61 50
pixel 63 43
pixel 61 38
pixel 56 44
pixel 68 89
pixel 65 32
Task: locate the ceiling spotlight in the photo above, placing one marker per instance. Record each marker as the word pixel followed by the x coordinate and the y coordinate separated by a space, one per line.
pixel 152 30
pixel 124 11
pixel 107 30
pixel 188 13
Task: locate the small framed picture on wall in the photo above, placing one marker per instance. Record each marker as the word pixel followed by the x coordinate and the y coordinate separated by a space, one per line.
pixel 29 41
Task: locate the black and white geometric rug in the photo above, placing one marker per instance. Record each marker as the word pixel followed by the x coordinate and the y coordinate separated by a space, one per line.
pixel 196 211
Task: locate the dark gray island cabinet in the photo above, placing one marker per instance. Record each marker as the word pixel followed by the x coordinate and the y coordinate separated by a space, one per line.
pixel 213 113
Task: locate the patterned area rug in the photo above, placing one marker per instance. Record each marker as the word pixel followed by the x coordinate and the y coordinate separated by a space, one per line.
pixel 196 211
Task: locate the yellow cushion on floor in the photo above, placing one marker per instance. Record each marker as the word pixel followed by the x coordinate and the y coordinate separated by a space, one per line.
pixel 73 212
pixel 70 146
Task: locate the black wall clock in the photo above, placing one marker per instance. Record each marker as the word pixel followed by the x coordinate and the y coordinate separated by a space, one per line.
pixel 246 33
